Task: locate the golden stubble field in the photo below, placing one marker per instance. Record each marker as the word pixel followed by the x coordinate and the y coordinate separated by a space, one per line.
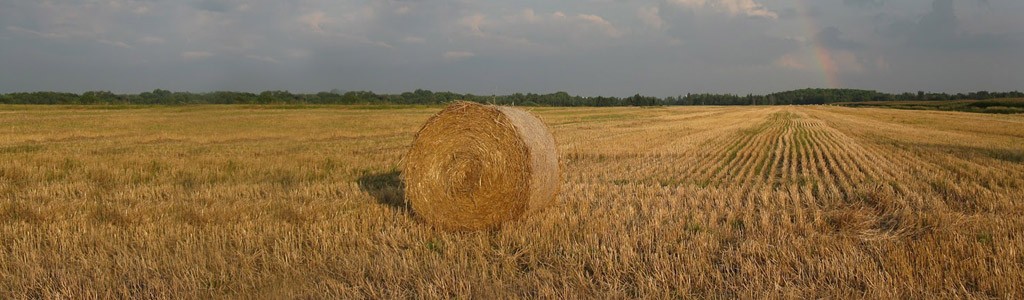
pixel 720 202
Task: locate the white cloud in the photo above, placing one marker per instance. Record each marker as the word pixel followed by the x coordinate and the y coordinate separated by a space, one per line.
pixel 649 15
pixel 606 26
pixel 456 55
pixel 315 21
pixel 548 23
pixel 475 25
pixel 319 23
pixel 474 22
pixel 194 55
pixel 527 31
pixel 530 16
pixel 748 8
pixel 526 16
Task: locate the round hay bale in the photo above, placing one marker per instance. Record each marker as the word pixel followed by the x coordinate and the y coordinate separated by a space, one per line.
pixel 474 166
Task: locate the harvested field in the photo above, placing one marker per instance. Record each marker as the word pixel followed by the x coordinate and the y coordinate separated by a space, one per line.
pixel 723 202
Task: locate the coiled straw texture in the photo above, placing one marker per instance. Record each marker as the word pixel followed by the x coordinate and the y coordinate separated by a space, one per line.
pixel 476 166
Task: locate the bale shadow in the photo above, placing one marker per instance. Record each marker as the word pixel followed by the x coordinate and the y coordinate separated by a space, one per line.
pixel 387 188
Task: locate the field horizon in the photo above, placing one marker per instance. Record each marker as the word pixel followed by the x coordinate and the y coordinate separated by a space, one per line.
pixel 215 201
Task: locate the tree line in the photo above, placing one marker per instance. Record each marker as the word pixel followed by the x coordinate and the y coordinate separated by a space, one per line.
pixel 426 97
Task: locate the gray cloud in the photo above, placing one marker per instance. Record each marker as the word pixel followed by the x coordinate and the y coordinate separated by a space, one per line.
pixel 584 47
pixel 212 5
pixel 864 3
pixel 832 38
pixel 721 41
pixel 941 29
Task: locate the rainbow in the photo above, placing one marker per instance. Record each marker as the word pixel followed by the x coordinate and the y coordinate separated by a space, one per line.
pixel 828 66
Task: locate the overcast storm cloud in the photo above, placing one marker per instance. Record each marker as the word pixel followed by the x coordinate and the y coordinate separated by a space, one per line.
pixel 585 47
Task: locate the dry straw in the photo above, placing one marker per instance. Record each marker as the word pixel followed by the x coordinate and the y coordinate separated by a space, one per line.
pixel 476 166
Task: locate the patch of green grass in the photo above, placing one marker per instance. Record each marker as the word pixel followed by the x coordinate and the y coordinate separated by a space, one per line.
pixel 693 227
pixel 1000 110
pixel 434 245
pixel 1005 155
pixel 1005 103
pixel 984 238
pixel 992 106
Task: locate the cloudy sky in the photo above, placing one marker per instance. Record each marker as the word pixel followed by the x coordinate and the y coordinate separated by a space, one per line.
pixel 584 47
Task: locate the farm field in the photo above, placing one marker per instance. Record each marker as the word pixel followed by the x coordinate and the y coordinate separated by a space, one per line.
pixel 994 106
pixel 709 202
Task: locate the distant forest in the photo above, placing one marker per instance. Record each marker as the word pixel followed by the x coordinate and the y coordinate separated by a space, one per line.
pixel 426 97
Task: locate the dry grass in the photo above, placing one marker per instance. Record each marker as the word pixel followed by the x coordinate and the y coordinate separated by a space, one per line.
pixel 210 201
